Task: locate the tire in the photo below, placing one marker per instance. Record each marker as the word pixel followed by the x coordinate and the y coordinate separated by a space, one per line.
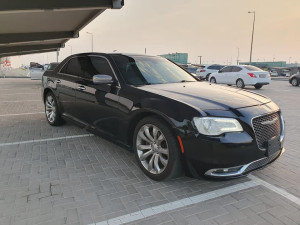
pixel 258 86
pixel 162 149
pixel 207 76
pixel 240 83
pixel 51 107
pixel 213 80
pixel 295 82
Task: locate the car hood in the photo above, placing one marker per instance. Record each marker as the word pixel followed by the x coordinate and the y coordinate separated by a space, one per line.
pixel 203 96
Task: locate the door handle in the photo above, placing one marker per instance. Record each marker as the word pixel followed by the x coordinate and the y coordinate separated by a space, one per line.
pixel 58 81
pixel 81 88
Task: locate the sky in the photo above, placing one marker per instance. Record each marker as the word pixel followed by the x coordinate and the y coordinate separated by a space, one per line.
pixel 213 29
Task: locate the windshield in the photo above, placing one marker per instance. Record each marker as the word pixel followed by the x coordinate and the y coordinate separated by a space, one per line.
pixel 143 70
pixel 253 68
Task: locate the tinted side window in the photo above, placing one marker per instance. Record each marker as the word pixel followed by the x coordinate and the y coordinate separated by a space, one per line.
pixel 211 67
pixel 76 66
pixel 227 69
pixel 236 69
pixel 64 69
pixel 97 66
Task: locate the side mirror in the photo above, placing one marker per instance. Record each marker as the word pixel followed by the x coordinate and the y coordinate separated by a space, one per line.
pixel 220 71
pixel 102 79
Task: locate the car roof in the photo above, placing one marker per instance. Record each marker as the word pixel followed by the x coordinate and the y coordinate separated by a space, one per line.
pixel 111 54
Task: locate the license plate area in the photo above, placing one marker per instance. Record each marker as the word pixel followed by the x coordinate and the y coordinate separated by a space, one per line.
pixel 273 146
pixel 262 76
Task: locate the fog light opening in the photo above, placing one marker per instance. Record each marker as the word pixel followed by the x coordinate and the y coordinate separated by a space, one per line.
pixel 228 170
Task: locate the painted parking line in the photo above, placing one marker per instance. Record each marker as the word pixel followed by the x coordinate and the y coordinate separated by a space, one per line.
pixel 22 101
pixel 132 217
pixel 22 114
pixel 278 190
pixel 45 140
pixel 32 89
pixel 19 94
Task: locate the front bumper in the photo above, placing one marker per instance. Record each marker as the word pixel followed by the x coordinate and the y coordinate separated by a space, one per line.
pixel 243 169
pixel 232 154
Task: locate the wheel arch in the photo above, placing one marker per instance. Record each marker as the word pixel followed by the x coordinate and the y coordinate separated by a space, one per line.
pixel 143 114
pixel 45 92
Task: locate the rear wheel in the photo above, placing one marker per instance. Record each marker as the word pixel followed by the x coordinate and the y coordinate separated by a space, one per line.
pixel 213 80
pixel 52 112
pixel 156 149
pixel 258 86
pixel 295 82
pixel 207 76
pixel 240 83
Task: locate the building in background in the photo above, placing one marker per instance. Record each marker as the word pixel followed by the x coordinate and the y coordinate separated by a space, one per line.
pixel 266 64
pixel 180 58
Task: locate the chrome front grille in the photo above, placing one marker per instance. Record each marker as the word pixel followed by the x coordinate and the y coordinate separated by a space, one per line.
pixel 266 127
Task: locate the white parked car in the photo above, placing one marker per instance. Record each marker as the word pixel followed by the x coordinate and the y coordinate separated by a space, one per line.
pixel 204 72
pixel 286 73
pixel 36 73
pixel 241 76
pixel 273 73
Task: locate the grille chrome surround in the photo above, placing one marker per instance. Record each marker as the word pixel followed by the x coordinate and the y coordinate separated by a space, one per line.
pixel 266 127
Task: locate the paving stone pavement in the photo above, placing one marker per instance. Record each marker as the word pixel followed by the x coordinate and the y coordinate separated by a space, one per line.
pixel 88 180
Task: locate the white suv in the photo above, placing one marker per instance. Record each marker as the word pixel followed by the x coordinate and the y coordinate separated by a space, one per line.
pixel 241 76
pixel 204 72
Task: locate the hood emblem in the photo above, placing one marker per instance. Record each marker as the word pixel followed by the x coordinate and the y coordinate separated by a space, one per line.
pixel 269 122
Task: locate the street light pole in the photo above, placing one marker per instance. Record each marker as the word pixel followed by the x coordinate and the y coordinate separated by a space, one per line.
pixel 92 40
pixel 252 36
pixel 200 59
pixel 238 57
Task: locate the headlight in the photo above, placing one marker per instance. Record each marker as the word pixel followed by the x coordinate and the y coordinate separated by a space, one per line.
pixel 217 126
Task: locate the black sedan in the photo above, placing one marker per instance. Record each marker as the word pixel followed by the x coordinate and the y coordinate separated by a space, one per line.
pixel 295 79
pixel 171 121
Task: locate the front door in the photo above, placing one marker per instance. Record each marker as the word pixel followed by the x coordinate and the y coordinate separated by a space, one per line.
pixel 223 74
pixel 98 104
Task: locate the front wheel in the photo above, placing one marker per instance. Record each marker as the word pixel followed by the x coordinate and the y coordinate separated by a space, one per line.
pixel 156 149
pixel 258 86
pixel 213 80
pixel 52 112
pixel 295 82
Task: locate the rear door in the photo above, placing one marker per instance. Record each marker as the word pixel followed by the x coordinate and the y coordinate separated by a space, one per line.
pixel 65 84
pixel 236 72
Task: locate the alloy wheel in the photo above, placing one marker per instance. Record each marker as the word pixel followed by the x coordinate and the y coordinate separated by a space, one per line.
pixel 240 84
pixel 152 149
pixel 294 82
pixel 50 109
